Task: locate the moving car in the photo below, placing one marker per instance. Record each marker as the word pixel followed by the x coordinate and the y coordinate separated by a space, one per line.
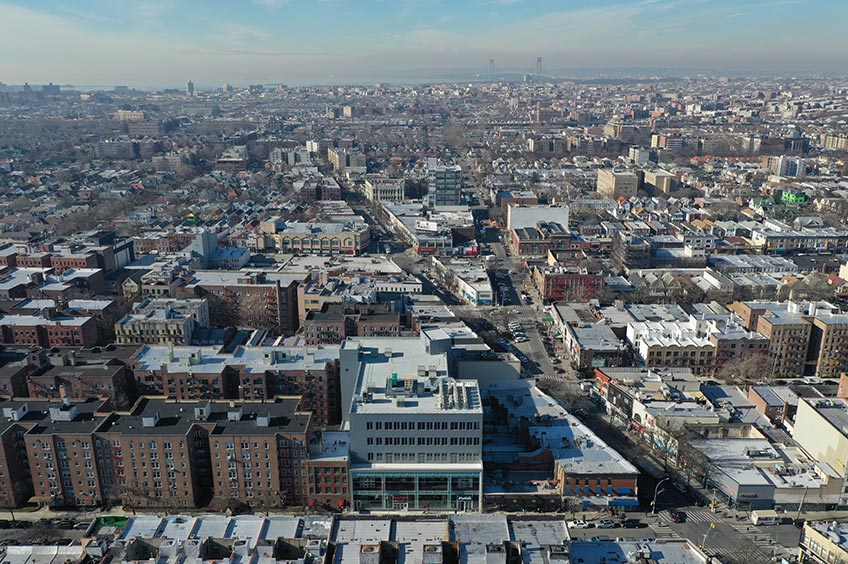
pixel 676 516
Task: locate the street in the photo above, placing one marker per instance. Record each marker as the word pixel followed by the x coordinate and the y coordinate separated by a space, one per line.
pixel 722 533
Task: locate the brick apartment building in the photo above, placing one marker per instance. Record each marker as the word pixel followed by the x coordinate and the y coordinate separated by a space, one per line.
pixel 336 322
pixel 163 243
pixel 63 262
pixel 258 300
pixel 162 453
pixel 48 330
pixel 804 338
pixel 248 373
pixel 568 283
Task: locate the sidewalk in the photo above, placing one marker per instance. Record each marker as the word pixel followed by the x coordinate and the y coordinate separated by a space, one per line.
pixel 46 513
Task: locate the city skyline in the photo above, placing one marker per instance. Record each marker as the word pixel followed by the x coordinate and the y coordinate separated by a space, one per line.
pixel 157 44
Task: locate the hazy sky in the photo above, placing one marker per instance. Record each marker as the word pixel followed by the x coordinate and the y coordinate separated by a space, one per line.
pixel 158 43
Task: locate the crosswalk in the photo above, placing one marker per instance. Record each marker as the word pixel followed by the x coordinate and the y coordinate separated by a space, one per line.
pixel 741 555
pixel 756 546
pixel 693 515
pixel 662 531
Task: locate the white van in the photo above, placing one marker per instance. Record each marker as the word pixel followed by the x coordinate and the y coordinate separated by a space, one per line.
pixel 765 517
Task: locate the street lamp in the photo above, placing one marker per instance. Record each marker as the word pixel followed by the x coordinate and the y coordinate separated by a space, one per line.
pixel 704 542
pixel 656 493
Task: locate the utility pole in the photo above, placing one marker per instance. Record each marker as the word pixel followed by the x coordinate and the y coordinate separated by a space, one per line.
pixel 801 505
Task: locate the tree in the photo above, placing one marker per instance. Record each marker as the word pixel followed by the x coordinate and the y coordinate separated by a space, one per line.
pixel 726 209
pixel 692 461
pixel 744 370
pixel 813 287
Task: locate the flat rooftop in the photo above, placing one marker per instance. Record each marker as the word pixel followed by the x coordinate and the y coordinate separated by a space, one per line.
pixel 397 375
pixel 254 359
pixel 656 552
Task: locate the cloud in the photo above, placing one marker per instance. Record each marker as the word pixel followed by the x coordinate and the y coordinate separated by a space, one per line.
pixel 271 4
pixel 88 16
pixel 432 38
pixel 163 43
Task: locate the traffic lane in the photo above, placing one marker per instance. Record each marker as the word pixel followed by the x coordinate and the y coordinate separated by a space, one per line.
pixel 642 533
pixel 534 349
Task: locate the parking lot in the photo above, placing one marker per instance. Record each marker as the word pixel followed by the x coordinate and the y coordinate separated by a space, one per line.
pixel 44 531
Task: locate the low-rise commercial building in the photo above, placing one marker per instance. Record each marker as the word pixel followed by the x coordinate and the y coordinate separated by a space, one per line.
pixel 470 280
pixel 351 238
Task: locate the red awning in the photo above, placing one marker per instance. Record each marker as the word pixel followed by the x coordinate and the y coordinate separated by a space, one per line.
pixel 342 503
pixel 313 502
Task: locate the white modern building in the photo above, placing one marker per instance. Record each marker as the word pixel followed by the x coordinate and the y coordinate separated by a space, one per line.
pixel 416 432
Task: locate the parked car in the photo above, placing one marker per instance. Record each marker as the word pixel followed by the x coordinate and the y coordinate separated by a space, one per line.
pixel 605 524
pixel 578 524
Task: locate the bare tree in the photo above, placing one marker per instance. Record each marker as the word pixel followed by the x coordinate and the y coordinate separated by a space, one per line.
pixel 813 287
pixel 745 369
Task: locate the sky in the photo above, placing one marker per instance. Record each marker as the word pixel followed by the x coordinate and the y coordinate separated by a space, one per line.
pixel 161 43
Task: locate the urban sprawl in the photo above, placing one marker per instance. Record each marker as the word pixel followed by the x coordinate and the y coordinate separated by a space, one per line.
pixel 436 324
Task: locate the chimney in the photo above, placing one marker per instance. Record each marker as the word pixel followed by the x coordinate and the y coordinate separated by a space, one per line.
pixel 65 394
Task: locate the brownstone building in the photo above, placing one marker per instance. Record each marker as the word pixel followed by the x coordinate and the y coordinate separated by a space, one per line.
pixel 110 380
pixel 15 479
pixel 157 455
pixel 259 452
pixel 328 478
pixel 804 338
pixel 35 260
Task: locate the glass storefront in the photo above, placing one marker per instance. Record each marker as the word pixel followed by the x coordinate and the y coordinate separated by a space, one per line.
pixel 419 491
